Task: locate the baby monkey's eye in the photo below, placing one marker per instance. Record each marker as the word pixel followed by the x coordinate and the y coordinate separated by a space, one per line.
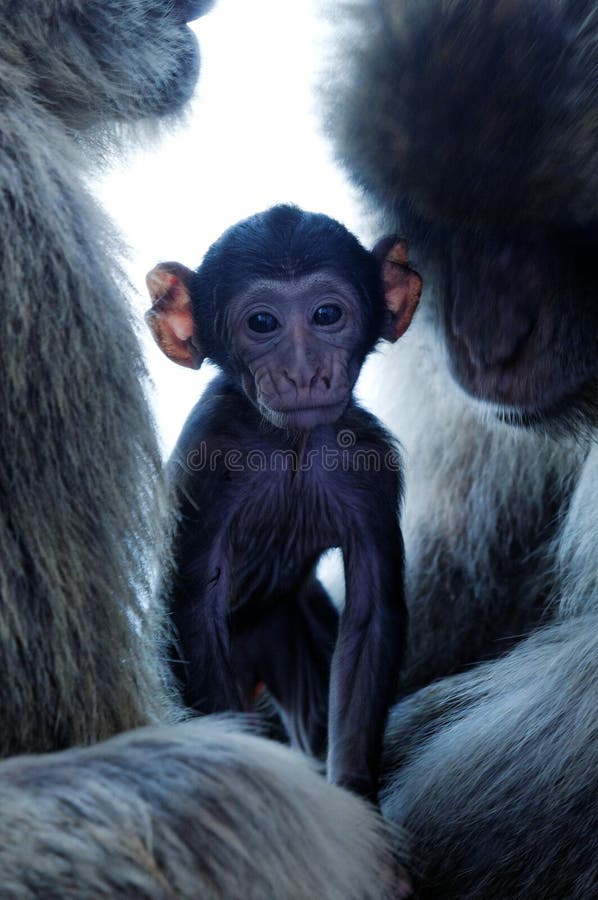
pixel 327 314
pixel 263 323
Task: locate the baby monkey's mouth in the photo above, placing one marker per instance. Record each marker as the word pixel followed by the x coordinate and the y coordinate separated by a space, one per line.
pixel 304 418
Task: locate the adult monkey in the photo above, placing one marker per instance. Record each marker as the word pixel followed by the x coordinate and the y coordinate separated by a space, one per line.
pixel 473 128
pixel 80 465
pixel 79 469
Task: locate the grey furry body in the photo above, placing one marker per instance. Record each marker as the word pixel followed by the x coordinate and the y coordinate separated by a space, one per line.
pixel 81 514
pixel 493 771
pixel 189 810
pixel 156 814
pixel 479 120
pixel 499 774
pixel 484 507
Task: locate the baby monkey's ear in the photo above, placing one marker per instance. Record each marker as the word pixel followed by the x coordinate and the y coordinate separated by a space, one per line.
pixel 170 319
pixel 402 285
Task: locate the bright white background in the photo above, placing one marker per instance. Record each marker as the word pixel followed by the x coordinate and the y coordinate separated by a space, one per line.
pixel 252 139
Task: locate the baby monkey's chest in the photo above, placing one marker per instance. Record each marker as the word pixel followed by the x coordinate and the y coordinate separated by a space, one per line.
pixel 280 531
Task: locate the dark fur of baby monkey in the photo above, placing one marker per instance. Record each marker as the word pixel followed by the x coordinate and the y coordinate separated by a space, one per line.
pixel 276 464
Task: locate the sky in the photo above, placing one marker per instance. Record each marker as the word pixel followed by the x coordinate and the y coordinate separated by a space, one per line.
pixel 251 139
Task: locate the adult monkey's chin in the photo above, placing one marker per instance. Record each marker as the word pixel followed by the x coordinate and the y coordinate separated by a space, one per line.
pixel 194 9
pixel 572 411
pixel 304 419
pixel 574 415
pixel 541 391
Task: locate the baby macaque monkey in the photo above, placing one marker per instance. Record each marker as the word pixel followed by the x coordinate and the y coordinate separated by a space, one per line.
pixel 276 464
